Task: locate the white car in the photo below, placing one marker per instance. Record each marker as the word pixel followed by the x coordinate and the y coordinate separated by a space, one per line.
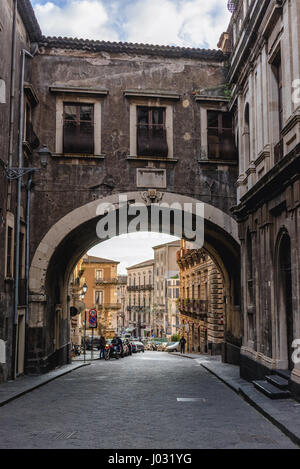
pixel 173 347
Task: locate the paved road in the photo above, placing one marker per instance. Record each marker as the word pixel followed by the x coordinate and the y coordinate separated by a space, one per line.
pixel 138 395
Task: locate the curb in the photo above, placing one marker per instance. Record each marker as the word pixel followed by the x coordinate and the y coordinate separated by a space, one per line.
pixel 48 380
pixel 243 394
pixel 295 439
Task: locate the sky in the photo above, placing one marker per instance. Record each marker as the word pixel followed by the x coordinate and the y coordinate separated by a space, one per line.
pixel 185 23
pixel 130 249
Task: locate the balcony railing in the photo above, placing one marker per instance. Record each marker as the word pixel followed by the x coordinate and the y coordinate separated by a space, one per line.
pixel 278 151
pixel 193 306
pixel 101 281
pixel 139 287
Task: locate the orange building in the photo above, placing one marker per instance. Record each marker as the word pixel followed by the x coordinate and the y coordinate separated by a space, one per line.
pixel 101 279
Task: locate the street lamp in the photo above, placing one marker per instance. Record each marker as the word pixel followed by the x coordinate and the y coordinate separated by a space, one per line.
pixel 12 173
pixel 84 288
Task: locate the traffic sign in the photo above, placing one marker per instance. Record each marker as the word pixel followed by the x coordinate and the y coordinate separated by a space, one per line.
pixel 93 318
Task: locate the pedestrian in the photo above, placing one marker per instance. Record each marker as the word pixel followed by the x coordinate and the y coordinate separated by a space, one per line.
pixel 102 347
pixel 182 344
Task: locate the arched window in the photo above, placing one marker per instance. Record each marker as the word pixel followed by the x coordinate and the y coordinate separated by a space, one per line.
pixel 247 150
pixel 285 298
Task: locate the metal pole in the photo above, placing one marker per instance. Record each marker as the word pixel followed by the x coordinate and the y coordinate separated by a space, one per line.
pixel 92 354
pixel 29 184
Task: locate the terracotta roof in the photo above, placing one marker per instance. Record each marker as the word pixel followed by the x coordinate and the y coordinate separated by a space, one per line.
pixel 142 264
pixel 98 260
pixel 29 20
pixel 149 49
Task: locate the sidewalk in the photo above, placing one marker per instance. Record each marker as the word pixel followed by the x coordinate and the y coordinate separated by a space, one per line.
pixel 13 389
pixel 284 413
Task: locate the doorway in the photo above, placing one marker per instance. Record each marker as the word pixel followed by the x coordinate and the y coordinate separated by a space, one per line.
pixel 286 298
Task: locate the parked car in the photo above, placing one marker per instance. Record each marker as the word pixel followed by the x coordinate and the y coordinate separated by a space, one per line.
pixel 173 347
pixel 137 346
pixel 95 341
pixel 162 346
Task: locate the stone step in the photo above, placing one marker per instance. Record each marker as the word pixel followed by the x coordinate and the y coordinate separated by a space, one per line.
pixel 278 381
pixel 283 373
pixel 271 391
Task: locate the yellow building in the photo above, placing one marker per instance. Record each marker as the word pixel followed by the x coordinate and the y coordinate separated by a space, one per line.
pixel 101 279
pixel 201 302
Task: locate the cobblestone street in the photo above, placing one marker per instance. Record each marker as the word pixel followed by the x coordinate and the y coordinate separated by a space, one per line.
pixel 136 403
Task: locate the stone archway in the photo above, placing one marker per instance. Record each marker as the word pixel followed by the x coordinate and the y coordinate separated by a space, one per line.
pixel 66 242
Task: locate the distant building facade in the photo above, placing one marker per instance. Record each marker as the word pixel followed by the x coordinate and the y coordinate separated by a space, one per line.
pixel 165 268
pixel 140 299
pixel 122 318
pixel 101 279
pixel 201 303
pixel 173 314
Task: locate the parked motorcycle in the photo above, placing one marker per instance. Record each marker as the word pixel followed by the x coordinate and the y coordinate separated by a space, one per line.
pixel 76 350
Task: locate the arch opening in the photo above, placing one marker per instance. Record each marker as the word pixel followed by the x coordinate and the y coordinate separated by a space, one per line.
pixel 52 267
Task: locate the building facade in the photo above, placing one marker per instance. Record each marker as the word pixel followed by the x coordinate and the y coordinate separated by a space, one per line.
pixel 140 299
pixel 165 268
pixel 122 318
pixel 173 318
pixel 201 304
pixel 19 31
pixel 101 279
pixel 264 42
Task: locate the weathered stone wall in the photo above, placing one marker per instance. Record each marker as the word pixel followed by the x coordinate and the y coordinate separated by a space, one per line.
pixel 69 183
pixel 8 191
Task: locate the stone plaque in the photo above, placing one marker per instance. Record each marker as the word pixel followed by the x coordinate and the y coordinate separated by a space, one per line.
pixel 151 178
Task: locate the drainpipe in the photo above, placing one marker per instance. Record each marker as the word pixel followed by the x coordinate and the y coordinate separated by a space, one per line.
pixel 18 213
pixel 29 186
pixel 12 98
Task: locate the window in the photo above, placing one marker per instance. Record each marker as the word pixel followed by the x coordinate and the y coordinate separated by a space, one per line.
pixel 151 131
pixel 220 136
pixel 78 129
pixel 99 274
pixel 9 255
pixel 277 67
pixel 98 297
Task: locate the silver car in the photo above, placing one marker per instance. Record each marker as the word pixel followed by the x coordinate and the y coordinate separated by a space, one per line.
pixel 173 347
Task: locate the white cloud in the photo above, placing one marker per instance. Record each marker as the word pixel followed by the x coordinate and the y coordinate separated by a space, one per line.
pixel 192 23
pixel 188 23
pixel 87 19
pixel 130 249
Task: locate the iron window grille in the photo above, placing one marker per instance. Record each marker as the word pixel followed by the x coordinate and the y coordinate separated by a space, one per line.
pixel 151 131
pixel 78 131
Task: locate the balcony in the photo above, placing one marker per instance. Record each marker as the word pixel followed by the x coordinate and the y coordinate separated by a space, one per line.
pixel 196 307
pixel 101 281
pixel 139 287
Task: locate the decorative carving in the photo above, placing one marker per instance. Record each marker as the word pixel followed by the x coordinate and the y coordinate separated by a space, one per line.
pixel 152 196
